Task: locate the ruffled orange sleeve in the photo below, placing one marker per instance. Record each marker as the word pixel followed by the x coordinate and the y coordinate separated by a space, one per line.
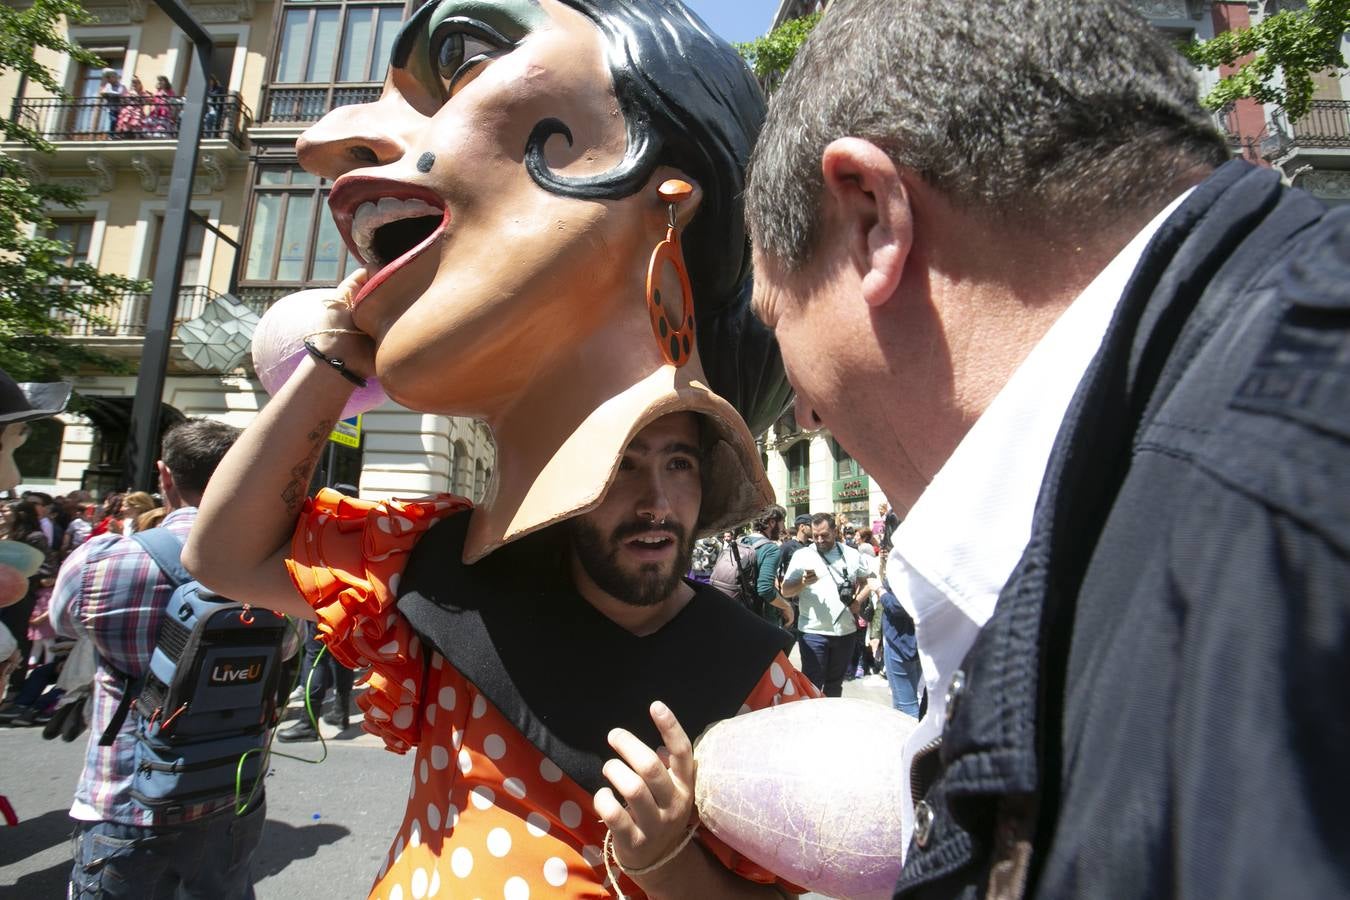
pixel 346 559
pixel 781 683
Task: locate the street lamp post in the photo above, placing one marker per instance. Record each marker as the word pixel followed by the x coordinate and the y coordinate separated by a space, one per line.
pixel 143 437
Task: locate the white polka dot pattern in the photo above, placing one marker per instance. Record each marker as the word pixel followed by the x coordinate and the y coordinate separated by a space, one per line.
pixel 555 871
pixel 536 825
pixel 499 842
pixel 403 717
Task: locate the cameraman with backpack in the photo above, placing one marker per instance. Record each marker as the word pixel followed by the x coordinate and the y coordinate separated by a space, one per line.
pixel 747 569
pixel 112 590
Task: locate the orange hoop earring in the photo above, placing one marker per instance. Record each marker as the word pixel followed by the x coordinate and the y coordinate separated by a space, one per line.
pixel 676 344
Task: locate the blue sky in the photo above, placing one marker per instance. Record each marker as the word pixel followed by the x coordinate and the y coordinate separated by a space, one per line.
pixel 735 20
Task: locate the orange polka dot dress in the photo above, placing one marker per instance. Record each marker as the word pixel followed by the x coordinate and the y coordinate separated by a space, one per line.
pixel 489 816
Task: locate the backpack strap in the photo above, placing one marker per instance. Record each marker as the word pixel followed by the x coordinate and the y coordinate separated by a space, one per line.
pixel 749 590
pixel 130 688
pixel 165 549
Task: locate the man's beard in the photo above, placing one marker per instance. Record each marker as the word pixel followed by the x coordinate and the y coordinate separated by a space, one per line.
pixel 651 583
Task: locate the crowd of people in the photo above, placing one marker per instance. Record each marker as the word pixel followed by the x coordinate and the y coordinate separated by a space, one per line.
pixel 848 625
pixel 56 527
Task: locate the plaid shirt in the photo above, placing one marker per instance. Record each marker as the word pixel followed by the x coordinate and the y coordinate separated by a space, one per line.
pixel 111 590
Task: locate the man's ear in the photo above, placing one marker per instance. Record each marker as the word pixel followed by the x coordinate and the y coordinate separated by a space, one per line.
pixel 165 477
pixel 872 212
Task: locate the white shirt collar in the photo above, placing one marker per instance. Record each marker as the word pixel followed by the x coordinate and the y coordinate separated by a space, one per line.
pixel 955 549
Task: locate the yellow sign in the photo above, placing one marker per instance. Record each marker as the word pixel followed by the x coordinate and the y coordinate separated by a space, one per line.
pixel 348 432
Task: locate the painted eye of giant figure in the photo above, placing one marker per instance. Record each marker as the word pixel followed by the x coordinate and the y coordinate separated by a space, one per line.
pixel 502 193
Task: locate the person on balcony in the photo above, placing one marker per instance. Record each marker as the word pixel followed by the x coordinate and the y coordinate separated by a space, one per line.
pixel 112 93
pixel 163 109
pixel 131 118
pixel 215 106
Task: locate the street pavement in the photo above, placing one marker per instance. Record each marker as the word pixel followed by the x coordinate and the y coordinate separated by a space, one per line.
pixel 328 825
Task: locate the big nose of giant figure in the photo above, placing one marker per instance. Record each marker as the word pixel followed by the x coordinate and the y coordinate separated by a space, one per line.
pixel 358 136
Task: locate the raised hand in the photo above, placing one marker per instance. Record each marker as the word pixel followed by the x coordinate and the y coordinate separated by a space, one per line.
pixel 657 788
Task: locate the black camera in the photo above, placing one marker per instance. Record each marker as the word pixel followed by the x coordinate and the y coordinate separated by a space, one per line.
pixel 846 592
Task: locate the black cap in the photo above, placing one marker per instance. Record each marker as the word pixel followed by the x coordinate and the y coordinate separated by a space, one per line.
pixel 801 520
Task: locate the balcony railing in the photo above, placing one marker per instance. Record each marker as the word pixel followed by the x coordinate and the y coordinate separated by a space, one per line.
pixel 309 104
pixel 93 119
pixel 1226 119
pixel 1326 124
pixel 126 316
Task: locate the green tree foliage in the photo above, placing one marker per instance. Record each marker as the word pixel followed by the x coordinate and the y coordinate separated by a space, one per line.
pixel 40 293
pixel 770 56
pixel 1296 43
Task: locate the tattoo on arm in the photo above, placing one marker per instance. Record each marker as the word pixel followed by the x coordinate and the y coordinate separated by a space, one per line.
pixel 295 491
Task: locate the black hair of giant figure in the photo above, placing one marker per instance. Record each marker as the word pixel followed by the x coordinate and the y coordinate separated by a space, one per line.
pixel 690 102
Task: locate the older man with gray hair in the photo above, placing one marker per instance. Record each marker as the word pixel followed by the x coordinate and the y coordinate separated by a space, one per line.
pixel 1114 413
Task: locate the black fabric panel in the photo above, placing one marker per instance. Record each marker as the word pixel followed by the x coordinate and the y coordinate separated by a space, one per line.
pixel 562 672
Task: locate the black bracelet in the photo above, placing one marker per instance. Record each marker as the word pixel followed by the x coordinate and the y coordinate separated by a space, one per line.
pixel 336 364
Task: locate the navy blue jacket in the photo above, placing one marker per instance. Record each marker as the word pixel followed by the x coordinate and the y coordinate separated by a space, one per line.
pixel 1160 703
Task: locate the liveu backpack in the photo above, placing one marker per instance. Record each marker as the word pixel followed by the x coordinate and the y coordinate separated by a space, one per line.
pixel 736 572
pixel 215 688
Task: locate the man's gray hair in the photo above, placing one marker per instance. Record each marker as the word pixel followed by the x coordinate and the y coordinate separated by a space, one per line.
pixel 1062 111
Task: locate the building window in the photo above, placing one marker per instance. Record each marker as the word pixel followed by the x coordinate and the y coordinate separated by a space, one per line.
pixel 310 46
pixel 192 249
pixel 320 47
pixel 77 234
pixel 292 238
pixel 461 482
pixel 798 461
pixel 845 466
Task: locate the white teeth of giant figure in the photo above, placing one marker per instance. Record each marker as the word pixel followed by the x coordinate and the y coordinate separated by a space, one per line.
pixel 370 216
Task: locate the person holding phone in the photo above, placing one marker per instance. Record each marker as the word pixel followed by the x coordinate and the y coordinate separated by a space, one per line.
pixel 829 581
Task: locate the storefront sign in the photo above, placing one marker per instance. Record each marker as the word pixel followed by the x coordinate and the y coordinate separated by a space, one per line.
pixel 848 489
